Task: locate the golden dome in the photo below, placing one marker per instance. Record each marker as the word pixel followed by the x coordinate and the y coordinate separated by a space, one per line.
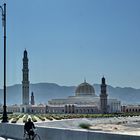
pixel 85 89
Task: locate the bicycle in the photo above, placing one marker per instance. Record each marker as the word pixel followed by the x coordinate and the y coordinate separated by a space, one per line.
pixel 34 137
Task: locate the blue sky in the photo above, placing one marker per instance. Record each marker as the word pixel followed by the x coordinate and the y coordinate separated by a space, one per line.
pixel 68 40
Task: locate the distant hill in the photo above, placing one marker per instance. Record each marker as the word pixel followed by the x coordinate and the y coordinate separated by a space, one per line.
pixel 46 91
pixel 126 95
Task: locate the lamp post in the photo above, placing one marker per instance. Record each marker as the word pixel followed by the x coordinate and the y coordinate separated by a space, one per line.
pixel 3 10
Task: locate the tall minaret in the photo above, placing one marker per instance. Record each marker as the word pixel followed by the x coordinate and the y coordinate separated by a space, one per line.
pixel 25 82
pixel 32 99
pixel 103 97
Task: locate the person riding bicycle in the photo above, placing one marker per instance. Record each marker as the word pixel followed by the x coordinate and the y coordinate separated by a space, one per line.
pixel 28 127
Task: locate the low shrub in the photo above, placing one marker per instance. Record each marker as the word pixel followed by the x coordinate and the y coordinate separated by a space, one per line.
pixel 25 118
pixel 41 117
pixel 56 117
pixel 85 125
pixel 33 118
pixel 49 117
pixel 14 120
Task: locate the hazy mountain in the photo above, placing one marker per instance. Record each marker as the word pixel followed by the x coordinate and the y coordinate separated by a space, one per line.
pixel 46 91
pixel 126 95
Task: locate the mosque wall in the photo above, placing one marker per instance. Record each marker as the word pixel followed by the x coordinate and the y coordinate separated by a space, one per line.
pixel 72 109
pixel 130 108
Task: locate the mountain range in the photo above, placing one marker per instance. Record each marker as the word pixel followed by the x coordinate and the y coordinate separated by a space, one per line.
pixel 47 91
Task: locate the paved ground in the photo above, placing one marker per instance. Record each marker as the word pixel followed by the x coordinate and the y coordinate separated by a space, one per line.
pixel 5 139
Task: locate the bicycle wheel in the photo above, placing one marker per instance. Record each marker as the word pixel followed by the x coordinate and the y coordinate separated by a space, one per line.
pixel 37 137
pixel 25 137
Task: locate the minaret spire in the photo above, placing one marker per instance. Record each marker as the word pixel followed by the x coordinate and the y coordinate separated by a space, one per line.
pixel 103 96
pixel 32 99
pixel 25 81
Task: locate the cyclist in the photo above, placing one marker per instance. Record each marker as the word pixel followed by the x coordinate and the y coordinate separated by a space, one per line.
pixel 28 127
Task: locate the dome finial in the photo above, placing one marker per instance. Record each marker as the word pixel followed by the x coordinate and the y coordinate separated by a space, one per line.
pixel 85 80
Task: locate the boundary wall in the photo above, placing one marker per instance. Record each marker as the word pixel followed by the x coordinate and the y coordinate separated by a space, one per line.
pixel 16 131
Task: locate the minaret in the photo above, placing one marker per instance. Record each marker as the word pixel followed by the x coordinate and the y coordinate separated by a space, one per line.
pixel 32 99
pixel 25 82
pixel 103 97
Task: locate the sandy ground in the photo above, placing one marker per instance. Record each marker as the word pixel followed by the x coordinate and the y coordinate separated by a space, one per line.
pixel 119 125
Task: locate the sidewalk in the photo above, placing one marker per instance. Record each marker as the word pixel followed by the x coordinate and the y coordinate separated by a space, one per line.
pixel 5 138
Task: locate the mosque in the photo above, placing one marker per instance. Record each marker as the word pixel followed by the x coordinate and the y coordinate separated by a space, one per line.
pixel 85 100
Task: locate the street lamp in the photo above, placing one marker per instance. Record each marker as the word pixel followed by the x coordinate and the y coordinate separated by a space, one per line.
pixel 3 10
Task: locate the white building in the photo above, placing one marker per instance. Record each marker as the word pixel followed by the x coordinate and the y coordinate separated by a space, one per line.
pixel 85 101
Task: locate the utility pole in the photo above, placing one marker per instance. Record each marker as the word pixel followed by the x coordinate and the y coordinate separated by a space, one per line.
pixel 3 9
